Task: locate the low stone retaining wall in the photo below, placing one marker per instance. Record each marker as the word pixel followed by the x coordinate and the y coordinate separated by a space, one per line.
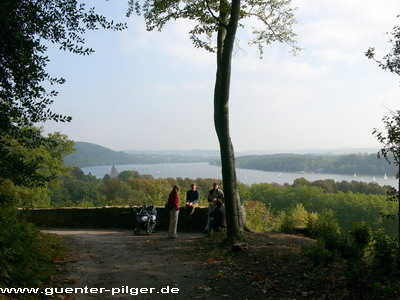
pixel 107 217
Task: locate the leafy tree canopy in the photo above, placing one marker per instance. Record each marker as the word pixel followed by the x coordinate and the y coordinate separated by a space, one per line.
pixel 25 28
pixel 30 168
pixel 275 19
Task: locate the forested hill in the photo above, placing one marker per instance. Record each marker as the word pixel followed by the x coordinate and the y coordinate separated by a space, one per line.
pixel 367 164
pixel 88 154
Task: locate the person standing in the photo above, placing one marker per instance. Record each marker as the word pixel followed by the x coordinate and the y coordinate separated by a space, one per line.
pixel 192 200
pixel 173 201
pixel 213 195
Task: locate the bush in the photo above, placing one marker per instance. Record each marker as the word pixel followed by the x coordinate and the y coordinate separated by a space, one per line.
pixel 25 253
pixel 285 223
pixel 258 216
pixel 299 215
pixel 361 234
pixel 325 228
pixel 296 217
pixel 383 253
pixel 319 254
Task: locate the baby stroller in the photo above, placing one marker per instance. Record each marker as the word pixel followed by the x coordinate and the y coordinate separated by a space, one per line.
pixel 146 219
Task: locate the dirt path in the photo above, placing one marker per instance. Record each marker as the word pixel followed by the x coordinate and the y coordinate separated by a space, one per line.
pixel 270 267
pixel 116 264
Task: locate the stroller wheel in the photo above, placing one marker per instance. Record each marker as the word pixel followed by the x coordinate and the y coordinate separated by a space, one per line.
pixel 136 231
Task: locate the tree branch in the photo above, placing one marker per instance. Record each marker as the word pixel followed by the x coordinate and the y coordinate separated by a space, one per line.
pixel 214 16
pixel 264 20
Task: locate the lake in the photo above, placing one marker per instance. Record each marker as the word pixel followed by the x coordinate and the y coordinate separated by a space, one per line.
pixel 205 170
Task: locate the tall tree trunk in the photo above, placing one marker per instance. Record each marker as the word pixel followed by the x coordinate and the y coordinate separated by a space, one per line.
pixel 225 43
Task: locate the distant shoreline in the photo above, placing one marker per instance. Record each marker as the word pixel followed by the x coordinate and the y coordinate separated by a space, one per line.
pixel 247 176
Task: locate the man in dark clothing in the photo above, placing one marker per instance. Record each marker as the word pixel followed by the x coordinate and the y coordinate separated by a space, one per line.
pixel 192 200
pixel 217 216
pixel 213 195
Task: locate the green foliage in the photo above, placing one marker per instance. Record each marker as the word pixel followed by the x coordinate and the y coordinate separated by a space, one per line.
pixel 28 160
pixel 129 188
pixel 333 245
pixel 287 221
pixel 26 28
pixel 369 257
pixel 384 253
pixel 33 164
pixel 273 19
pixel 361 233
pixel 287 206
pixel 299 215
pixel 46 162
pixel 347 207
pixel 371 260
pixel 25 253
pixel 76 189
pixel 258 216
pixel 326 228
pixel 319 254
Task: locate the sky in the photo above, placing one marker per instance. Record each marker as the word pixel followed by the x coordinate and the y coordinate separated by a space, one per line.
pixel 145 90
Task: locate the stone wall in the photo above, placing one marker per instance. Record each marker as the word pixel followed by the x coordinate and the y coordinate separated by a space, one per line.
pixel 107 217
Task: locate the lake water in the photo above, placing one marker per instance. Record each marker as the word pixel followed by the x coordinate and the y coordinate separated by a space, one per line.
pixel 205 170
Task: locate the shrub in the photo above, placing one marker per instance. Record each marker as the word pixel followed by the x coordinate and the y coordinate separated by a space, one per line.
pixel 258 216
pixel 361 233
pixel 299 215
pixel 383 252
pixel 325 228
pixel 25 253
pixel 295 217
pixel 285 223
pixel 319 254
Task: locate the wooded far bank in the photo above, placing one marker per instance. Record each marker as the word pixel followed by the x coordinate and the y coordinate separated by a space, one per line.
pixel 87 154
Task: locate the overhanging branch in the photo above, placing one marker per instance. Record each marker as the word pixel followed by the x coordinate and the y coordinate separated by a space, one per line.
pixel 214 16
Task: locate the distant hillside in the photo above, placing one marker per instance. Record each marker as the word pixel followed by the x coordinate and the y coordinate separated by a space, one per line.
pixel 87 155
pixel 206 153
pixel 367 164
pixel 216 154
